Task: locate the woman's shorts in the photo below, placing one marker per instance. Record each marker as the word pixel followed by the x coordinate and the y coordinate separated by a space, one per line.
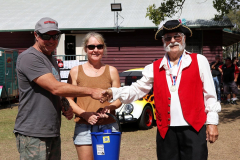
pixel 82 133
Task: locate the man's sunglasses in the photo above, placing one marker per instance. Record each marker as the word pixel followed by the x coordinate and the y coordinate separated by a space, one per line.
pixel 169 38
pixel 92 47
pixel 48 37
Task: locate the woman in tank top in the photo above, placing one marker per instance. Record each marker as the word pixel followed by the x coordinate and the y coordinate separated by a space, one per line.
pixel 89 113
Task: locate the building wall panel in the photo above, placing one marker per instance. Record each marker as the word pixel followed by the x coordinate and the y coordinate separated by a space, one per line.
pixel 16 40
pixel 126 50
pixel 212 44
pixel 133 57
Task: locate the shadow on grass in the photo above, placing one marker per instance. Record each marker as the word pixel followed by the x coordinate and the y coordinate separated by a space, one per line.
pixel 229 113
pixel 131 127
pixel 5 105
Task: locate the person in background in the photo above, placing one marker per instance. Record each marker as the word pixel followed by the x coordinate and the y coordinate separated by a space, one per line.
pixel 38 122
pixel 184 94
pixel 216 75
pixel 89 113
pixel 236 61
pixel 230 74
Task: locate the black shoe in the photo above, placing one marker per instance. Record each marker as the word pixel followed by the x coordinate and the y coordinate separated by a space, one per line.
pixel 234 102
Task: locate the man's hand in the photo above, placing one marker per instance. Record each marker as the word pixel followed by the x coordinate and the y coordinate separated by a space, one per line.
pixel 211 133
pixel 106 95
pixel 90 117
pixel 101 95
pixel 68 114
pixel 97 93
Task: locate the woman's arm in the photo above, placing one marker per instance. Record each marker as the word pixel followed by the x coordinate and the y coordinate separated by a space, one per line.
pixel 90 117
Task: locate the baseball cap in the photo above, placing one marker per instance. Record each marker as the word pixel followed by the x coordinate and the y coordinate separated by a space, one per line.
pixel 46 24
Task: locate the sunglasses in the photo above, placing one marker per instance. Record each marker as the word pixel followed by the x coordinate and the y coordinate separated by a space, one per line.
pixel 176 37
pixel 48 37
pixel 92 47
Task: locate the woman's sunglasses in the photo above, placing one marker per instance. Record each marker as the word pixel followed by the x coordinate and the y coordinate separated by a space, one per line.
pixel 48 37
pixel 92 47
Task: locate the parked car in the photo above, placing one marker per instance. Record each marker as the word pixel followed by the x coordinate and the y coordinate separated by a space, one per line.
pixel 141 111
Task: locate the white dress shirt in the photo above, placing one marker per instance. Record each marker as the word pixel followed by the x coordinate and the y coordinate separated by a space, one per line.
pixel 142 87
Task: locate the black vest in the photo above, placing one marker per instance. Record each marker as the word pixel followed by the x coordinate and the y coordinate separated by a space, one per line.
pixel 228 73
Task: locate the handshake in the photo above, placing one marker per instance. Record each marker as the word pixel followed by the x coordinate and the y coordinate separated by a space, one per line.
pixel 102 95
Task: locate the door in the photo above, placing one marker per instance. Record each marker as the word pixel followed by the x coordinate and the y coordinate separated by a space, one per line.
pixel 70 47
pixel 9 72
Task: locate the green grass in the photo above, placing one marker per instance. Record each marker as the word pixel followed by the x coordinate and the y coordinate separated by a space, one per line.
pixel 7 121
pixel 8 149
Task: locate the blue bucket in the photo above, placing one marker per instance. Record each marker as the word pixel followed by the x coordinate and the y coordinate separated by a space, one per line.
pixel 106 145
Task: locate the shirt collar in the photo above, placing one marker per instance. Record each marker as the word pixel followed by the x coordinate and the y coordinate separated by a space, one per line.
pixel 186 60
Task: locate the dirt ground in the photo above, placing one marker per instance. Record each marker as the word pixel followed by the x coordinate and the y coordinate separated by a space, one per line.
pixel 140 144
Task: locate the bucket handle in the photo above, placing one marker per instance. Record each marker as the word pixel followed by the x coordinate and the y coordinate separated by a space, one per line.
pixel 119 126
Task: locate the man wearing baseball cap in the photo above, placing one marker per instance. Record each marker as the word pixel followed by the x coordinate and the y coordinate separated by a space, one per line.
pixel 184 94
pixel 37 126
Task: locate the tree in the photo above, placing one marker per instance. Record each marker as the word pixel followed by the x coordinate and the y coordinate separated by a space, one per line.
pixel 234 16
pixel 231 51
pixel 169 8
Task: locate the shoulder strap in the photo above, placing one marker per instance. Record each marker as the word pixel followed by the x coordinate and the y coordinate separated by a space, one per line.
pixel 80 71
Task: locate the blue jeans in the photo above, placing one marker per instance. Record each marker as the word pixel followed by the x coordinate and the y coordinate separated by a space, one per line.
pixel 217 87
pixel 82 133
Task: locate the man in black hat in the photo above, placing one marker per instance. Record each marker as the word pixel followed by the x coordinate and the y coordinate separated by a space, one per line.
pixel 230 74
pixel 184 94
pixel 216 75
pixel 37 126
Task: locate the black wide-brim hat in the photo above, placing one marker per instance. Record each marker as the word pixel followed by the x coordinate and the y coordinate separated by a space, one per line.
pixel 173 26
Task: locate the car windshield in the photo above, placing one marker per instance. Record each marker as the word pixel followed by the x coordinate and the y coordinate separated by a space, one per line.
pixel 130 79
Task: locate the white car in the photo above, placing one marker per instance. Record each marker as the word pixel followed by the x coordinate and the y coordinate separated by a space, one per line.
pixel 141 111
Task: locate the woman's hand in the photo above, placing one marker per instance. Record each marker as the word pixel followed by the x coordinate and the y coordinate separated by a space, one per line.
pixel 90 117
pixel 68 114
pixel 103 112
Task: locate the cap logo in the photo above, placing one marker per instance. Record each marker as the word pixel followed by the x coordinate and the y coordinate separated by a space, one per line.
pixel 49 22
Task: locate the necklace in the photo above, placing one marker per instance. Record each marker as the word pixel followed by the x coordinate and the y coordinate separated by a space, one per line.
pixel 96 72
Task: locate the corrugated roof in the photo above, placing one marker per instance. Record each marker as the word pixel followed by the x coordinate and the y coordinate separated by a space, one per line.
pixel 230 37
pixel 17 15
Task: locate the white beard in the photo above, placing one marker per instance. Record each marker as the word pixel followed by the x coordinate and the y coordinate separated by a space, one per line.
pixel 181 47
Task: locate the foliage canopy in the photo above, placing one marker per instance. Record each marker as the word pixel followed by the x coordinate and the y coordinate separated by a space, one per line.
pixel 169 8
pixel 234 16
